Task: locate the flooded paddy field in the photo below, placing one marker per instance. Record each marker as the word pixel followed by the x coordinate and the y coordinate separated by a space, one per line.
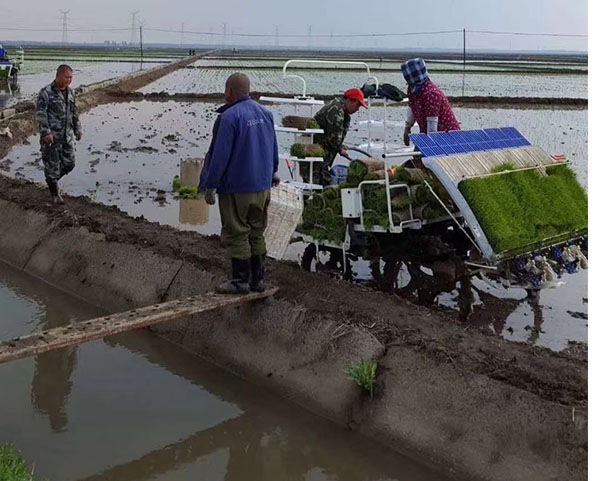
pixel 84 73
pixel 379 64
pixel 332 81
pixel 131 152
pixel 134 406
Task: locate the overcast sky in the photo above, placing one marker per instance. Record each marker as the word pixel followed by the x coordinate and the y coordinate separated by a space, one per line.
pixel 322 17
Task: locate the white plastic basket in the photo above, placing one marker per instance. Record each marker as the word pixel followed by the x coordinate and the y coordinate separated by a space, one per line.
pixel 285 212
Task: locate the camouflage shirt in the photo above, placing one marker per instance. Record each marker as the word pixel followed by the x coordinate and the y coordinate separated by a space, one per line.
pixel 334 120
pixel 56 115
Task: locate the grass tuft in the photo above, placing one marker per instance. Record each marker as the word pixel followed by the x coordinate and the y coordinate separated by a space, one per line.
pixel 363 373
pixel 12 465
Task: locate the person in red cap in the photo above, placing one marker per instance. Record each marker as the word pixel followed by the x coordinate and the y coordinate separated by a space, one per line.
pixel 334 119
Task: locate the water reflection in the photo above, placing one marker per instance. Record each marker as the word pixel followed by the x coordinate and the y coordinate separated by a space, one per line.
pixel 545 318
pixel 51 384
pixel 8 90
pixel 538 318
pixel 193 211
pixel 269 440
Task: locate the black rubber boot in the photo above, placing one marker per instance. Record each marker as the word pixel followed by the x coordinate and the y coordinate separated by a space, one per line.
pixel 240 276
pixel 52 187
pixel 257 274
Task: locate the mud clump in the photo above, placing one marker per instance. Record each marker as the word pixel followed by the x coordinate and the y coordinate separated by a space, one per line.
pixel 161 197
pixel 5 165
pixel 146 149
pixel 115 146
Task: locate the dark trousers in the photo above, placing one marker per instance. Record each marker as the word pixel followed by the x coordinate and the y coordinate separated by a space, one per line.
pixel 243 223
pixel 59 159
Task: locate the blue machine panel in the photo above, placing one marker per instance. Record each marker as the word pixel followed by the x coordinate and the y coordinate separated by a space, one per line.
pixel 461 141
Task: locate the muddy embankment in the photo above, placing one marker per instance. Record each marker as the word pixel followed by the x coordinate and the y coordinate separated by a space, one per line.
pixel 472 404
pixel 460 101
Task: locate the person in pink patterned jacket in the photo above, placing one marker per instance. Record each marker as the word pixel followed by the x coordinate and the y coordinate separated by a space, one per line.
pixel 427 104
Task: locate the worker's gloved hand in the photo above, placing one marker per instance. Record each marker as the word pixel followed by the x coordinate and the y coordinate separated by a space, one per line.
pixel 48 139
pixel 406 138
pixel 275 181
pixel 210 196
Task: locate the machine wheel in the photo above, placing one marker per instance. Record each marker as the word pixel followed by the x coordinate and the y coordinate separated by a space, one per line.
pixel 14 79
pixel 309 255
pixel 334 264
pixel 387 279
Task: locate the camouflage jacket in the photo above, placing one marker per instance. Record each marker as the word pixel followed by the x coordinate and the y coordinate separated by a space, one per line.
pixel 334 120
pixel 55 116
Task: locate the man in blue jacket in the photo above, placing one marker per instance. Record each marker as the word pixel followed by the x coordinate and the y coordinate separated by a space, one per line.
pixel 240 166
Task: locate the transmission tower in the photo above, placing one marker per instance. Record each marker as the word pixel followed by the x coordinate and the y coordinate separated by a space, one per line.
pixel 182 36
pixel 310 40
pixel 133 29
pixel 64 26
pixel 277 35
pixel 224 34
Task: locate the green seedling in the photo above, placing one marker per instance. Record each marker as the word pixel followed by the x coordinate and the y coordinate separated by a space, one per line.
pixel 309 150
pixel 322 218
pixel 505 167
pixel 312 124
pixel 363 374
pixel 176 183
pixel 188 192
pixel 524 208
pixel 12 465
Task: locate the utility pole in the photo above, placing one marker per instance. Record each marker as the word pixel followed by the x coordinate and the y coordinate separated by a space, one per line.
pixel 64 26
pixel 277 35
pixel 310 36
pixel 210 38
pixel 182 30
pixel 464 59
pixel 133 29
pixel 224 34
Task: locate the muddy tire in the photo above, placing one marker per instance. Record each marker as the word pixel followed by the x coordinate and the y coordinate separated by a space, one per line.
pixel 309 255
pixel 386 280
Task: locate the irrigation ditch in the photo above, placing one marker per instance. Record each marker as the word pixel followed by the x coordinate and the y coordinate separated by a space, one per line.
pixel 473 405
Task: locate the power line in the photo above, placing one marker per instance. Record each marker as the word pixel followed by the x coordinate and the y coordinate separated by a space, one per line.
pixel 313 35
pixel 531 34
pixel 330 35
pixel 18 29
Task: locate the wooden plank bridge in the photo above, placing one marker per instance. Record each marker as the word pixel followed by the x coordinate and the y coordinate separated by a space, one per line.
pixel 84 331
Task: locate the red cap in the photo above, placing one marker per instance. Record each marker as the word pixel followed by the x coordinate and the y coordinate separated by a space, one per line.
pixel 356 94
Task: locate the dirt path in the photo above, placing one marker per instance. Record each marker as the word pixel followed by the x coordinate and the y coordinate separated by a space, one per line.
pixel 460 101
pixel 557 377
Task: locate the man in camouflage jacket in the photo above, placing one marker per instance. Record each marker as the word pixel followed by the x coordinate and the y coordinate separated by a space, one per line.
pixel 334 119
pixel 59 127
